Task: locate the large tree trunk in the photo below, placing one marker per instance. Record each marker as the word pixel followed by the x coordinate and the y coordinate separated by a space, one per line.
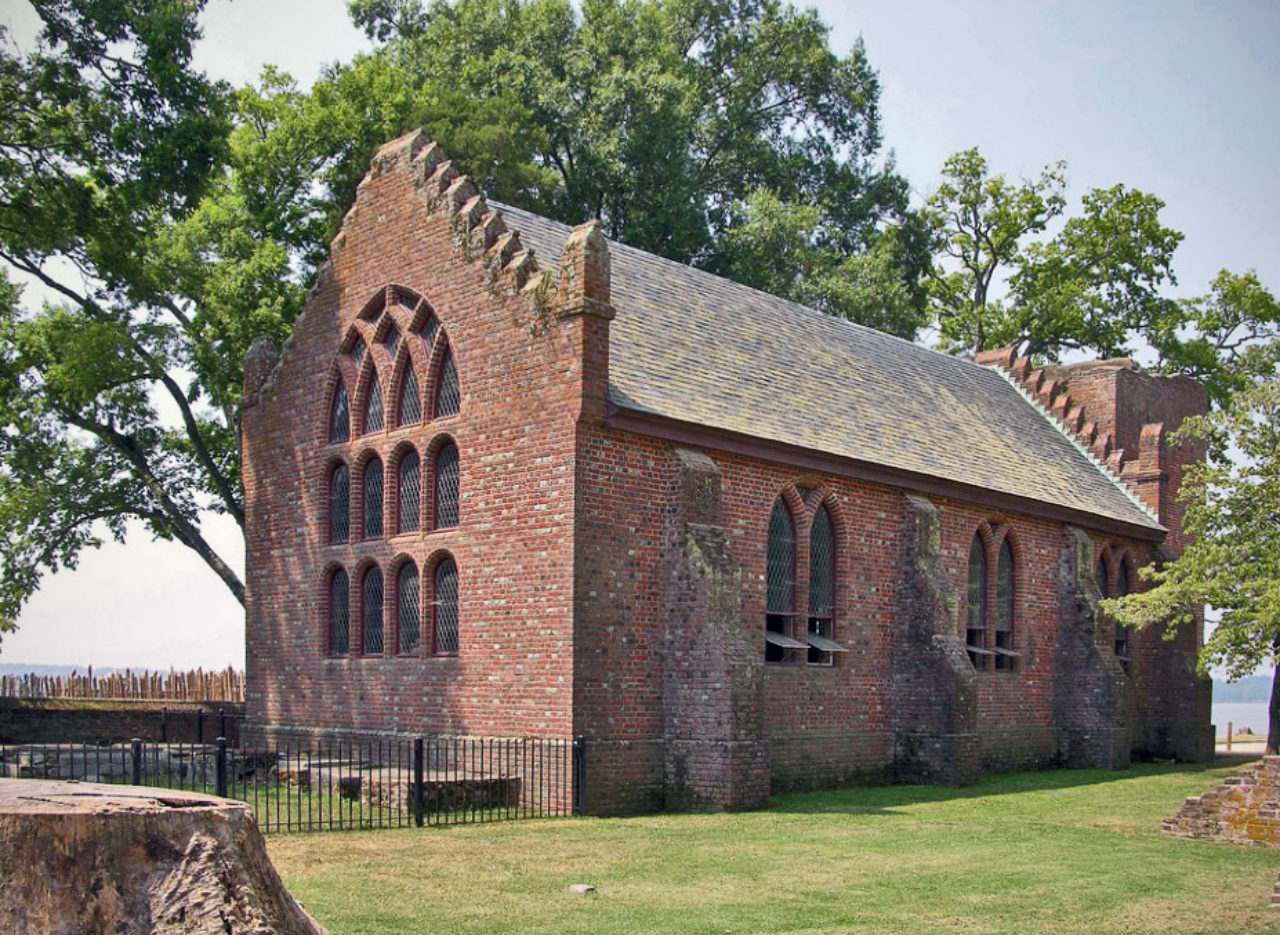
pixel 79 858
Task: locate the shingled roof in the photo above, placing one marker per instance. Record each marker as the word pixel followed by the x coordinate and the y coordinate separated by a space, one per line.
pixel 697 349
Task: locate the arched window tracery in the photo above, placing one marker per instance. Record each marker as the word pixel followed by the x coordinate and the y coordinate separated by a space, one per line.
pixel 448 398
pixel 339 415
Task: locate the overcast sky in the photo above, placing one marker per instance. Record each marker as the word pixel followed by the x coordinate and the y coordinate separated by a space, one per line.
pixel 1175 98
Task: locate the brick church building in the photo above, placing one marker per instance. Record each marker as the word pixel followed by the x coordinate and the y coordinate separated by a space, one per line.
pixel 509 479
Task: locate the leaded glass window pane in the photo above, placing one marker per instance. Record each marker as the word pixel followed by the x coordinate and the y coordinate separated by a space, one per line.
pixel 373 499
pixel 358 349
pixel 781 580
pixel 410 493
pixel 392 340
pixel 448 400
pixel 822 575
pixel 1100 575
pixel 976 623
pixel 1122 632
pixel 1004 588
pixel 372 616
pixel 446 512
pixel 1004 605
pixel 340 416
pixel 445 607
pixel 340 504
pixel 822 565
pixel 373 406
pixel 339 614
pixel 429 331
pixel 407 605
pixel 410 399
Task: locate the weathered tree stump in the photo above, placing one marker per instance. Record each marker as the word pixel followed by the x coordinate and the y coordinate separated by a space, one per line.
pixel 83 857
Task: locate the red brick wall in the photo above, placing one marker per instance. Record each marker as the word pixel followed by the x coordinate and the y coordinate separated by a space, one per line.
pixel 822 725
pixel 513 546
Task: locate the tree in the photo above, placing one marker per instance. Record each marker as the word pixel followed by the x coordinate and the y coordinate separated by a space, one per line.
pixel 109 140
pixel 979 222
pixel 171 221
pixel 778 248
pixel 1232 559
pixel 698 130
pixel 1228 339
pixel 1093 286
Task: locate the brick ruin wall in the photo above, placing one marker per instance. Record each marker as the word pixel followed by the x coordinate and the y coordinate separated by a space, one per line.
pixel 1245 809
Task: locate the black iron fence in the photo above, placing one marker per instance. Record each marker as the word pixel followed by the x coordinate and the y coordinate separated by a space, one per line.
pixel 377 784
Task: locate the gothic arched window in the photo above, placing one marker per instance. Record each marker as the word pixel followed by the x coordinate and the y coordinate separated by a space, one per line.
pixel 340 415
pixel 445 514
pixel 373 499
pixel 1123 635
pixel 448 397
pixel 444 608
pixel 822 589
pixel 976 622
pixel 339 504
pixel 339 614
pixel 371 615
pixel 1005 588
pixel 410 493
pixel 407 609
pixel 373 406
pixel 410 409
pixel 780 587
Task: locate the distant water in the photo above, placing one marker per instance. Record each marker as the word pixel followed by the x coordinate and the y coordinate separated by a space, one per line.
pixel 1252 714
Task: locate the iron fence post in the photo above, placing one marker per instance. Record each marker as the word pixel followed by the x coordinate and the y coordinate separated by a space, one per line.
pixel 222 767
pixel 417 781
pixel 222 722
pixel 200 725
pixel 164 725
pixel 135 746
pixel 579 775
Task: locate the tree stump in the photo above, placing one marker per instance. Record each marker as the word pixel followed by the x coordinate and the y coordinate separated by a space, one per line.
pixel 85 857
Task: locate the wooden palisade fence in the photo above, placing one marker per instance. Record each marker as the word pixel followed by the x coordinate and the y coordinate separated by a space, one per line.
pixel 197 685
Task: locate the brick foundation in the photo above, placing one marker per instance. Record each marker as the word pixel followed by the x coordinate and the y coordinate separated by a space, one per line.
pixel 1245 809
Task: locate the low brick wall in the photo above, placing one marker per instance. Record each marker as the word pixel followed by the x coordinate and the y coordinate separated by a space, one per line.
pixel 1245 809
pixel 830 760
pixel 59 720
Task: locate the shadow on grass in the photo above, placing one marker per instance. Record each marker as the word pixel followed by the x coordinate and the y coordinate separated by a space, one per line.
pixel 871 800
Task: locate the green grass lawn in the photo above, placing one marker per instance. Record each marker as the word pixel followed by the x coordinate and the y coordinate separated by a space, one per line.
pixel 1060 852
